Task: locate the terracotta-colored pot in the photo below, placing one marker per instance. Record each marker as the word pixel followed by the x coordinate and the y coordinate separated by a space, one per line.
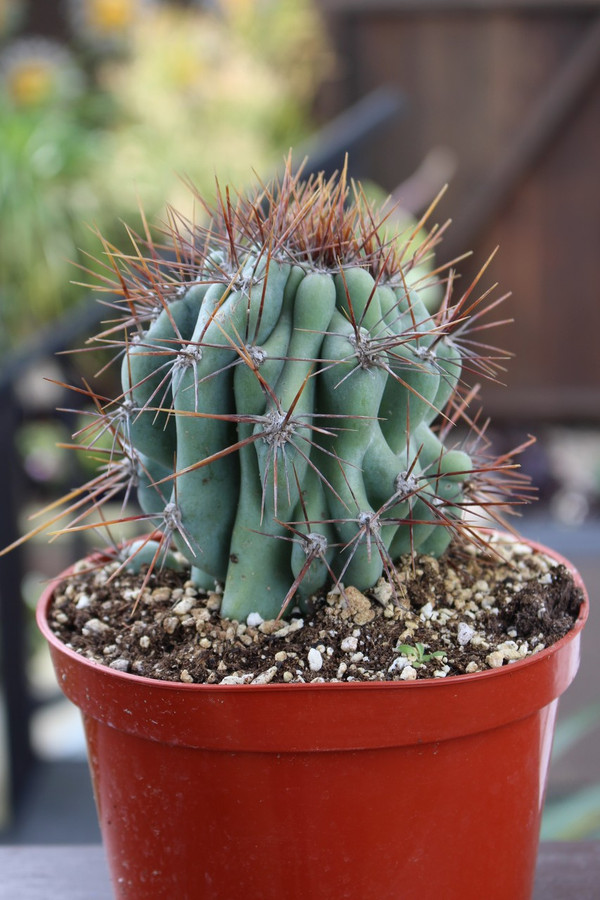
pixel 364 791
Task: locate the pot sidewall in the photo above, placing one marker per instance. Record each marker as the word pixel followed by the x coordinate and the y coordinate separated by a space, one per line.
pixel 344 789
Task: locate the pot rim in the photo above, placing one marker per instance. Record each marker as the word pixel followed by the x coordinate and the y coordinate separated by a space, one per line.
pixel 422 684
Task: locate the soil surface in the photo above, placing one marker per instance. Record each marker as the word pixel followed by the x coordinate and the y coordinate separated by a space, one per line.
pixel 459 614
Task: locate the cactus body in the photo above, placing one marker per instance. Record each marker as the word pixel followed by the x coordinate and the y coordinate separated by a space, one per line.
pixel 288 401
pixel 284 403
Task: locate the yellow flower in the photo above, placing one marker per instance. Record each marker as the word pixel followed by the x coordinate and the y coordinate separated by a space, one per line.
pixel 238 6
pixel 35 71
pixel 111 15
pixel 30 83
pixel 106 20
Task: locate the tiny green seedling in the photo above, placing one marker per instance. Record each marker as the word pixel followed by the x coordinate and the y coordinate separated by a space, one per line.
pixel 417 653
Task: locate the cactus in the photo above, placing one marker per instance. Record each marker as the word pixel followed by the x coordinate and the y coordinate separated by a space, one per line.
pixel 289 404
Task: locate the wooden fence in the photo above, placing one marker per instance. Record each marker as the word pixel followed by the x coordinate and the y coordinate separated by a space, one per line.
pixel 511 92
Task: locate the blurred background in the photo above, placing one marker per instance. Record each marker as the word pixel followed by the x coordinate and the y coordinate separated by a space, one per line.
pixel 107 106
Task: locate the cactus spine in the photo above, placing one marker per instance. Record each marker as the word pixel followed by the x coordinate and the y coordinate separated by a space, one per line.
pixel 282 394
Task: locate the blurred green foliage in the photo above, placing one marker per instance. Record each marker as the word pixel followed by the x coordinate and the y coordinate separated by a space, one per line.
pixel 576 815
pixel 140 95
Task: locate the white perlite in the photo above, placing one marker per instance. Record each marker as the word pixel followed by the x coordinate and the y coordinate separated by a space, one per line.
pixel 121 665
pixel 398 664
pixel 383 592
pixel 441 673
pixel 254 620
pixel 315 660
pixel 237 679
pixel 95 626
pixel 184 606
pixel 464 633
pixel 266 677
pixel 349 644
pixel 408 673
pixel 495 660
pixel 288 628
pixel 170 624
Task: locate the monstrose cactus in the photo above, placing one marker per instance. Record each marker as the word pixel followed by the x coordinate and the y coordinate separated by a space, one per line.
pixel 292 416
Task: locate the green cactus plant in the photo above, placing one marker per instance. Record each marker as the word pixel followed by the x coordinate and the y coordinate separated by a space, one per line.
pixel 289 404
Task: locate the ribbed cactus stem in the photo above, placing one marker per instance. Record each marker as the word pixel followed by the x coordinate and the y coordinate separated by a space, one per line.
pixel 288 401
pixel 293 392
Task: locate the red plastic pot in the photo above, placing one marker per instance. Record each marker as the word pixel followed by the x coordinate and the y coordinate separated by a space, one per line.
pixel 366 791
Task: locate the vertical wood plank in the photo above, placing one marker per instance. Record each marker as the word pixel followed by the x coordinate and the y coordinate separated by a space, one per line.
pixel 474 80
